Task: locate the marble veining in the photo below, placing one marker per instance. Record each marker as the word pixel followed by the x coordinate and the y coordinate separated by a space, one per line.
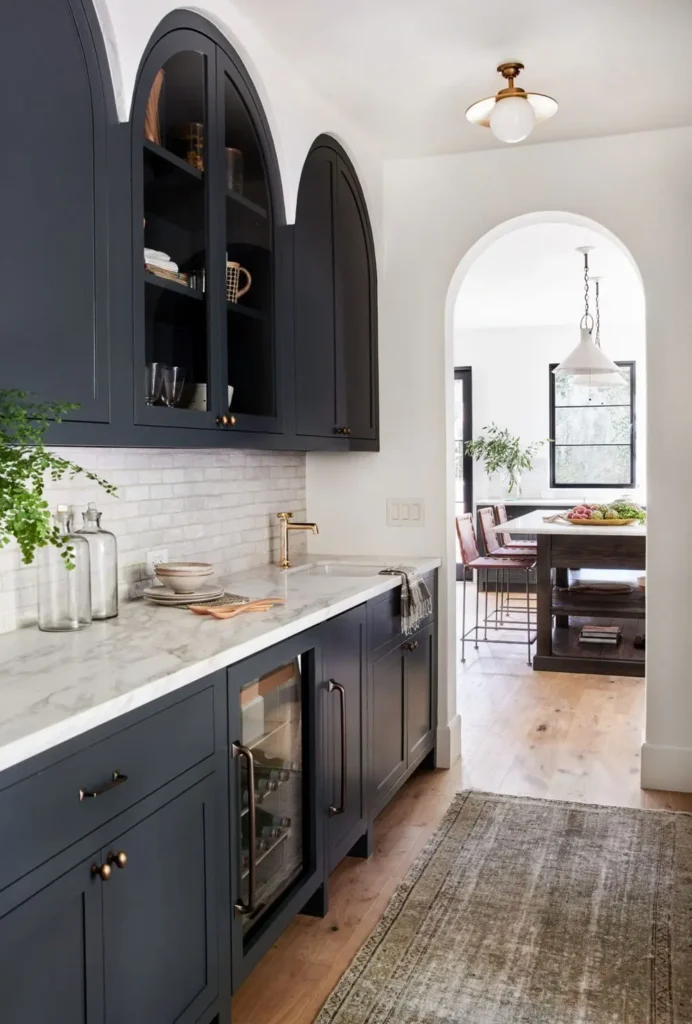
pixel 54 686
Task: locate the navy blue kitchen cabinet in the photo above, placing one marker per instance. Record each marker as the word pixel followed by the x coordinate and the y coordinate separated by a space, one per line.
pixel 147 865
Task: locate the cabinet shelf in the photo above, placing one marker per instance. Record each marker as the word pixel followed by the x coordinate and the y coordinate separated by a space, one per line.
pixel 172 286
pixel 254 314
pixel 240 200
pixel 626 605
pixel 160 153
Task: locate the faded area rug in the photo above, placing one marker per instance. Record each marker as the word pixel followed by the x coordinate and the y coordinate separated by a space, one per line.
pixel 524 911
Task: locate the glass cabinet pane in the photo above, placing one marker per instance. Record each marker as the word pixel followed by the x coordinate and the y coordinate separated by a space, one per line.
pixel 249 263
pixel 175 156
pixel 272 728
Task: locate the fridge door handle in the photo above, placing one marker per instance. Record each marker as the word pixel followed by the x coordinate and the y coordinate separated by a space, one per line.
pixel 331 686
pixel 238 750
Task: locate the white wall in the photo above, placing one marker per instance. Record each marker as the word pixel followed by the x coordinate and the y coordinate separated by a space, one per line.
pixel 511 388
pixel 640 188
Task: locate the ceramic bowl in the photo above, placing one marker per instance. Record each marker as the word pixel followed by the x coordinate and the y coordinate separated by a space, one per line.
pixel 184 577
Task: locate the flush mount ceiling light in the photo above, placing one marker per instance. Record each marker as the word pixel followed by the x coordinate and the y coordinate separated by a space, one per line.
pixel 588 360
pixel 512 113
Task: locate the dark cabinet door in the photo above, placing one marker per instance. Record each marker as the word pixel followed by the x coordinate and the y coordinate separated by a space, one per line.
pixel 51 959
pixel 345 732
pixel 355 306
pixel 335 304
pixel 388 724
pixel 318 399
pixel 160 915
pixel 420 705
pixel 53 267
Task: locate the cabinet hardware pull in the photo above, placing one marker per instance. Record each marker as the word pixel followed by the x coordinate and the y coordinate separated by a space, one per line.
pixel 412 645
pixel 115 780
pixel 104 871
pixel 119 859
pixel 331 686
pixel 342 430
pixel 221 421
pixel 238 750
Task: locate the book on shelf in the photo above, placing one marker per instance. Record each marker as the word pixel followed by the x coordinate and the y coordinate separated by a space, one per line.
pixel 602 640
pixel 601 630
pixel 594 634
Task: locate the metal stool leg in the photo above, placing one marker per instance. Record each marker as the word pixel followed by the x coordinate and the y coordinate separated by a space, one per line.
pixel 463 619
pixel 528 619
pixel 478 591
pixel 485 619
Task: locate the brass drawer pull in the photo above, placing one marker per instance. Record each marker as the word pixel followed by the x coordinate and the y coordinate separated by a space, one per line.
pixel 104 871
pixel 412 645
pixel 341 807
pixel 115 780
pixel 225 421
pixel 119 859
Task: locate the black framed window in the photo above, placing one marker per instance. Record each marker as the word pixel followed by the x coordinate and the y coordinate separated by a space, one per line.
pixel 593 431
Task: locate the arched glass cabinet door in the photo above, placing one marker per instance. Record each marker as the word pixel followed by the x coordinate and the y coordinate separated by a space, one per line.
pixel 173 177
pixel 249 354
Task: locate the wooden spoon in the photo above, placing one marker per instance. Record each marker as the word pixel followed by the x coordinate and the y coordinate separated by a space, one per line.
pixel 228 611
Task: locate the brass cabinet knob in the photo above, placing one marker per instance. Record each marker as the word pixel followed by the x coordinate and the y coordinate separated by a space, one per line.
pixel 411 645
pixel 104 871
pixel 119 859
pixel 221 421
pixel 342 430
pixel 231 421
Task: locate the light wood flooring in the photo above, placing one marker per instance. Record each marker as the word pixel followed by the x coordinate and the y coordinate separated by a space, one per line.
pixel 563 737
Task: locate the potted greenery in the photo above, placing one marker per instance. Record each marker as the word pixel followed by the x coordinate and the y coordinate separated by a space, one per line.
pixel 25 462
pixel 501 452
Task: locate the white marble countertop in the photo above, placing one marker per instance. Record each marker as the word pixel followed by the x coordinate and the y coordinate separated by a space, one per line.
pixel 533 522
pixel 54 686
pixel 539 502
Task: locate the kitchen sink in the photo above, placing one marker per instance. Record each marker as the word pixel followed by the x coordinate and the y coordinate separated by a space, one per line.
pixel 342 569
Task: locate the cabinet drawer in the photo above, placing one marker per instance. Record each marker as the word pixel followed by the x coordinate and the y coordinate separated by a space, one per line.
pixel 47 812
pixel 385 617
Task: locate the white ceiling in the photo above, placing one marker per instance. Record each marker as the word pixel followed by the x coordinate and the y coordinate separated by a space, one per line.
pixel 534 277
pixel 406 70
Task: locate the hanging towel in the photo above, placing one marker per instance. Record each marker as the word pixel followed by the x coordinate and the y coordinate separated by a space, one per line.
pixel 416 601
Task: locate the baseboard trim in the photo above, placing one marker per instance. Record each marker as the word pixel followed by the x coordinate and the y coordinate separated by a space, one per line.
pixel 448 743
pixel 668 768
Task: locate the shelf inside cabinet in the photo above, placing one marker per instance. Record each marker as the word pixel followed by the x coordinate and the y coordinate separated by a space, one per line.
pixel 169 162
pixel 254 314
pixel 172 286
pixel 239 199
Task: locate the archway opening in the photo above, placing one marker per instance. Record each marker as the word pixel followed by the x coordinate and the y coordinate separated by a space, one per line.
pixel 513 311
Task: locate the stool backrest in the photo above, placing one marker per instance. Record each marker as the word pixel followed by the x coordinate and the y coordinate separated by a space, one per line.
pixel 490 539
pixel 501 517
pixel 467 539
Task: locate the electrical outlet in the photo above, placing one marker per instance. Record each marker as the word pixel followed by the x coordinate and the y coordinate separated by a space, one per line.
pixel 154 558
pixel 405 512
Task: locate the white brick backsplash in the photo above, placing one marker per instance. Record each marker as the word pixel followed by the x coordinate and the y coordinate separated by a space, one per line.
pixel 215 506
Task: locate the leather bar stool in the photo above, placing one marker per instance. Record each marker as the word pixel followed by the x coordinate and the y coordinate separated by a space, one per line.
pixel 506 538
pixel 496 549
pixel 472 559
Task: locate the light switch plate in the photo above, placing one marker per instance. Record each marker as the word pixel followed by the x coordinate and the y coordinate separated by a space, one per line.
pixel 405 512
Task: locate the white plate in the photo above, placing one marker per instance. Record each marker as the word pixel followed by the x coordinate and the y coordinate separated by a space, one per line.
pixel 164 595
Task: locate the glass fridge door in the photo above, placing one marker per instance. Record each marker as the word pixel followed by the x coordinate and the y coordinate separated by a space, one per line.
pixel 271 787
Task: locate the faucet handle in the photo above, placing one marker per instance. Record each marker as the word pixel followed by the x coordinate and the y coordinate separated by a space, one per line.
pixel 284 515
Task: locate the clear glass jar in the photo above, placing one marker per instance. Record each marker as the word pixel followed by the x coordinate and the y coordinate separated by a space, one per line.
pixel 64 595
pixel 103 549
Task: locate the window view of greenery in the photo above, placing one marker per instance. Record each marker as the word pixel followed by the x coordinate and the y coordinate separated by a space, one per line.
pixel 593 432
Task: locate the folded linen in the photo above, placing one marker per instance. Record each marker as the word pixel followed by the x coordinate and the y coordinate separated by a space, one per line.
pixel 416 600
pixel 155 254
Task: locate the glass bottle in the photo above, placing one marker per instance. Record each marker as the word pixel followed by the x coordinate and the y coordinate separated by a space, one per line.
pixel 103 549
pixel 64 595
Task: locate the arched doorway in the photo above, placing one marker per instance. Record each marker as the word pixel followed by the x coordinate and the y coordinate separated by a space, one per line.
pixel 513 308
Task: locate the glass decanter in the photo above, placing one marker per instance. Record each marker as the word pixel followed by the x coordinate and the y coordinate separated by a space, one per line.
pixel 64 594
pixel 103 549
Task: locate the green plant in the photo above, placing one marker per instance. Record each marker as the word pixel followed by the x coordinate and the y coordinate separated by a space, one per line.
pixel 500 450
pixel 24 464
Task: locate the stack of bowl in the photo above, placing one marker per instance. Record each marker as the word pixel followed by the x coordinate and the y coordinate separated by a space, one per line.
pixel 183 583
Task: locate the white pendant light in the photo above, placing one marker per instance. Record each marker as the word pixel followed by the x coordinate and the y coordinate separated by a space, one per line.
pixel 512 113
pixel 588 360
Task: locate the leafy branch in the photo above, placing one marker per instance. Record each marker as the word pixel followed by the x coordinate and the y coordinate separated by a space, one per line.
pixel 25 463
pixel 500 450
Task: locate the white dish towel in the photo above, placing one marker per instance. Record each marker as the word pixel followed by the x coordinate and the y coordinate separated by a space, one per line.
pixel 416 600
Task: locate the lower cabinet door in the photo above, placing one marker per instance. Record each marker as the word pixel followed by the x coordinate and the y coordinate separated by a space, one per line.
pixel 51 961
pixel 420 702
pixel 344 670
pixel 159 914
pixel 388 724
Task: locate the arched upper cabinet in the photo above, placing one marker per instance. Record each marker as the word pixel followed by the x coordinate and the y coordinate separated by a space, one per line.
pixel 335 302
pixel 207 209
pixel 54 206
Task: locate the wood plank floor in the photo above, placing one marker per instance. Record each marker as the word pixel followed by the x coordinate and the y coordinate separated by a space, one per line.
pixel 553 735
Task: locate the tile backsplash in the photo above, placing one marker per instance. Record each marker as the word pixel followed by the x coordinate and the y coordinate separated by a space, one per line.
pixel 206 505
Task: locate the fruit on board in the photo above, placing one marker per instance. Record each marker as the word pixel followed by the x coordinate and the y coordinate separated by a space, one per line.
pixel 596 513
pixel 611 514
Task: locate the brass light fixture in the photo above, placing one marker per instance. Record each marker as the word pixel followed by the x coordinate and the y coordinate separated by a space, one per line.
pixel 512 113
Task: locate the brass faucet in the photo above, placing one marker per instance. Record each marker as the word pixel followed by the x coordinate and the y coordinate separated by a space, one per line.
pixel 284 517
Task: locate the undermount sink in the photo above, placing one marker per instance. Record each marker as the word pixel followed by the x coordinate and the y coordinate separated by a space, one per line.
pixel 342 569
